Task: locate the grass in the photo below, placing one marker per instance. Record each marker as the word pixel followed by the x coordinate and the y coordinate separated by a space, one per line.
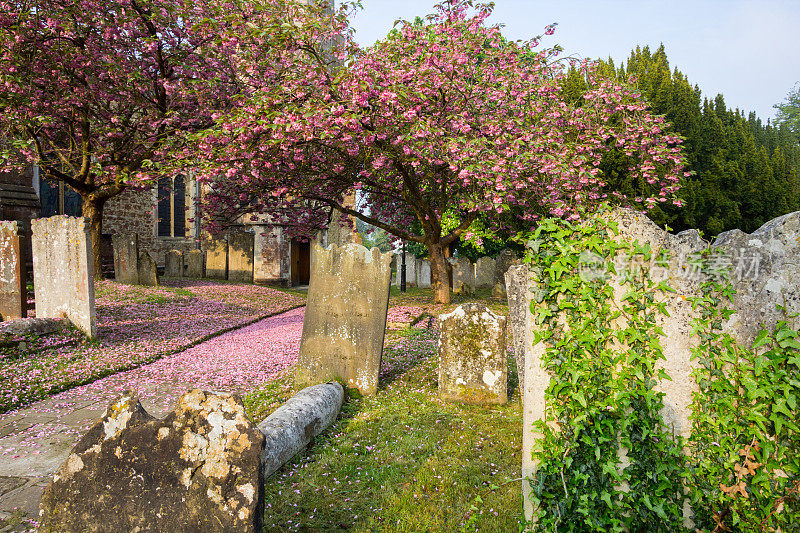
pixel 402 460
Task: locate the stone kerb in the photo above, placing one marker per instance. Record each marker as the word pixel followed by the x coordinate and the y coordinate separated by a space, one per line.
pixel 463 275
pixel 473 367
pixel 240 257
pixel 345 320
pixel 13 290
pixel 173 264
pixel 484 273
pixel 62 271
pixel 126 258
pixel 217 259
pixel 194 264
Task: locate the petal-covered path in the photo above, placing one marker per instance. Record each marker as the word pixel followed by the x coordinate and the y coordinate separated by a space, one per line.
pixel 35 440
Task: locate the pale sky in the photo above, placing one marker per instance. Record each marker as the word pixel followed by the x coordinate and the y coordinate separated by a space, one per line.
pixel 747 50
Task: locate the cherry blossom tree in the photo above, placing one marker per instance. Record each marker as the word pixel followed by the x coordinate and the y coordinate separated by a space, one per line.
pixel 95 91
pixel 444 123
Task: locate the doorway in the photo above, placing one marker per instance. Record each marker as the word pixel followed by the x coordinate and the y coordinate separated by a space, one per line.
pixel 301 262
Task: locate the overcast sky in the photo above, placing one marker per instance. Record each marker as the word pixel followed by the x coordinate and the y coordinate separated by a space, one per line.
pixel 747 50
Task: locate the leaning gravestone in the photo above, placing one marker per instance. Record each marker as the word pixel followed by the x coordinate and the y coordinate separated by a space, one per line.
pixel 484 272
pixel 473 366
pixel 424 273
pixel 62 271
pixel 148 272
pixel 126 258
pixel 216 259
pixel 173 264
pixel 463 275
pixel 240 257
pixel 345 320
pixel 13 293
pixel 198 469
pixel 194 264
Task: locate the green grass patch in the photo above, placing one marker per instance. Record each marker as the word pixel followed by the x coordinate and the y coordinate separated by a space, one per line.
pixel 402 460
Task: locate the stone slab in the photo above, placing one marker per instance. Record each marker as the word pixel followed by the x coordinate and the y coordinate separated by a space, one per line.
pixel 126 258
pixel 194 264
pixel 463 275
pixel 216 259
pixel 424 273
pixel 345 320
pixel 484 273
pixel 240 257
pixel 173 264
pixel 13 290
pixel 148 272
pixel 63 271
pixel 473 365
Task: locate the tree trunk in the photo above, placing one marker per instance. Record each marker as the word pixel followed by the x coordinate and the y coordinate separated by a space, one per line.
pixel 93 210
pixel 439 278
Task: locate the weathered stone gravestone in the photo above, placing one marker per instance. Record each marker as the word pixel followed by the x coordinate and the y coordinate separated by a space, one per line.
pixel 198 469
pixel 516 286
pixel 173 264
pixel 216 259
pixel 411 269
pixel 148 273
pixel 126 258
pixel 463 275
pixel 194 264
pixel 484 272
pixel 240 257
pixel 13 290
pixel 345 319
pixel 502 263
pixel 473 365
pixel 62 271
pixel 765 270
pixel 424 273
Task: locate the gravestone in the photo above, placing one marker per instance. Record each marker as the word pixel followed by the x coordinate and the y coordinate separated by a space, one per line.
pixel 345 318
pixel 473 366
pixel 677 342
pixel 502 262
pixel 198 469
pixel 62 271
pixel 240 257
pixel 13 290
pixel 516 287
pixel 411 269
pixel 484 273
pixel 173 264
pixel 424 273
pixel 126 258
pixel 194 264
pixel 216 259
pixel 148 273
pixel 463 275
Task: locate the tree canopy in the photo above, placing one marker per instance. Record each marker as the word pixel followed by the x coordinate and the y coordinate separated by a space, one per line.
pixel 94 91
pixel 443 123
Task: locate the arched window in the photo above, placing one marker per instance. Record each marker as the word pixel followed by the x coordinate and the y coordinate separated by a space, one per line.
pixel 171 207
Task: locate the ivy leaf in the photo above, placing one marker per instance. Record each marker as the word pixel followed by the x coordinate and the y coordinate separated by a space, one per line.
pixel 581 399
pixel 606 497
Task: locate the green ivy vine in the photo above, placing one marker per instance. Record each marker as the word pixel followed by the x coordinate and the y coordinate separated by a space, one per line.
pixel 606 460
